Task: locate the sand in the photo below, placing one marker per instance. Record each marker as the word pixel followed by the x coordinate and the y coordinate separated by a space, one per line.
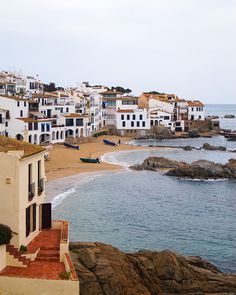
pixel 66 162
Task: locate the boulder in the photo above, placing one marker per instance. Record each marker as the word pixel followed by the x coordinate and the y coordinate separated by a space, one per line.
pixel 201 169
pixel 147 273
pixel 207 146
pixel 229 116
pixel 161 132
pixel 192 133
pixel 153 163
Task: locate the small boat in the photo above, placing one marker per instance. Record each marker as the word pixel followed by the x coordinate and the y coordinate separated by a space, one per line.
pixel 106 141
pixel 89 160
pixel 76 147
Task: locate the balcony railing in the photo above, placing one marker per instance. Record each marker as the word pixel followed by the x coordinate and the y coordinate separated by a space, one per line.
pixel 40 186
pixel 31 191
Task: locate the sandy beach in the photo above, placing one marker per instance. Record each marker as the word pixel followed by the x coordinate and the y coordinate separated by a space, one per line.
pixel 66 162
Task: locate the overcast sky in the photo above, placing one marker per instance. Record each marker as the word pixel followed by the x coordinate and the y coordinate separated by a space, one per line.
pixel 187 47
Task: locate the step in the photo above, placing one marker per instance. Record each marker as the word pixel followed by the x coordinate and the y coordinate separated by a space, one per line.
pixel 46 253
pixel 56 248
pixel 47 259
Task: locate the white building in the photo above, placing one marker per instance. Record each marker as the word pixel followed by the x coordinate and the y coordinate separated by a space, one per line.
pixel 132 122
pixel 196 110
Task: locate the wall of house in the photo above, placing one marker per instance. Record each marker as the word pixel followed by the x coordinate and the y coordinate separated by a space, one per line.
pixel 23 286
pixel 23 195
pixel 9 183
pixel 14 193
pixel 3 257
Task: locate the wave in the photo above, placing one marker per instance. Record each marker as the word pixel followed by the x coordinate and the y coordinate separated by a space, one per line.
pixel 59 198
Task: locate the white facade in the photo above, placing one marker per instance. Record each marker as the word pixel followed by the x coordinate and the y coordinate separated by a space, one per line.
pixel 196 111
pixel 132 120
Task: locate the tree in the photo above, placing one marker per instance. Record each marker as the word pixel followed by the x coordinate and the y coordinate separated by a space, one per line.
pixel 49 87
pixel 5 234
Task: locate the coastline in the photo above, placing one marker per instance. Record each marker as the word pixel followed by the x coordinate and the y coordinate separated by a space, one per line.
pixel 65 162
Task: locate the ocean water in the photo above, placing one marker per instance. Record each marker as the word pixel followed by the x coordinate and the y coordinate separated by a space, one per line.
pixel 221 110
pixel 135 210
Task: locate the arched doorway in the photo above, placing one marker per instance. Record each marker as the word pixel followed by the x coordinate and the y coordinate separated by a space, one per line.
pixel 19 137
pixel 44 138
pixel 69 133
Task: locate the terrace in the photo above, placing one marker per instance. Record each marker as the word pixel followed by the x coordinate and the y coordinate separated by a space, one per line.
pixel 47 256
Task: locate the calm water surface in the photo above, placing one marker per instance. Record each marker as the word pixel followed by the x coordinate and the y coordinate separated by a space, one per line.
pixel 136 210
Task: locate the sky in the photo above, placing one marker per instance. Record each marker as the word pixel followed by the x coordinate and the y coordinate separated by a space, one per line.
pixel 186 47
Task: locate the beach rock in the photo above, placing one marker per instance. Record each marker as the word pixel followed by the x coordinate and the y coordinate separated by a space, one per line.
pixel 229 116
pixel 187 148
pixel 160 132
pixel 201 169
pixel 207 146
pixel 147 273
pixel 193 133
pixel 153 163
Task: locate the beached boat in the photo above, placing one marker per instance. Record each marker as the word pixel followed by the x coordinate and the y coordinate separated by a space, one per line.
pixel 76 147
pixel 89 160
pixel 106 141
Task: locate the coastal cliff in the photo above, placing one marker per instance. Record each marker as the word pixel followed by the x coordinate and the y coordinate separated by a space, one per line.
pixel 104 270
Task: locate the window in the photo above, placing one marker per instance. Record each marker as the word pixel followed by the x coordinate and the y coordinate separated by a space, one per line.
pixel 122 117
pixel 35 126
pixel 21 113
pixel 48 127
pixel 132 123
pixel 128 117
pixel 24 103
pixel 31 185
pixel 140 117
pixel 123 124
pixel 133 117
pixel 69 122
pixel 18 103
pixel 40 179
pixel 42 127
pixel 6 124
pixel 67 110
pixel 143 123
pixel 177 124
pixel 79 122
pixel 138 124
pixel 30 219
pixel 166 118
pixel 192 109
pixel 30 126
pixel 199 117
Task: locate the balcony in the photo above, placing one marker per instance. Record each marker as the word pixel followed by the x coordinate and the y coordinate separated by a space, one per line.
pixel 31 191
pixel 40 186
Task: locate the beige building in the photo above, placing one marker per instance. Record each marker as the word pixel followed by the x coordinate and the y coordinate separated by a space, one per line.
pixel 44 262
pixel 22 189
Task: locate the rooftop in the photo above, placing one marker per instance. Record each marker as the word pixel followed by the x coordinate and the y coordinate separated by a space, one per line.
pixel 9 144
pixel 195 103
pixel 125 111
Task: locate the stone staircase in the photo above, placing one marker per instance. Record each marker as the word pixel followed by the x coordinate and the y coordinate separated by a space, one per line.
pixel 49 254
pixel 11 250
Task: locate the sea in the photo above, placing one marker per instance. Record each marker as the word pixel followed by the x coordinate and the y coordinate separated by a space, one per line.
pixel 135 210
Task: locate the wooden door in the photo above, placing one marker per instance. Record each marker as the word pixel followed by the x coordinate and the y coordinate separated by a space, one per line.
pixel 46 215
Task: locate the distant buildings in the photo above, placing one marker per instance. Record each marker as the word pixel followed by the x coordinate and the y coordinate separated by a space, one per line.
pixel 28 113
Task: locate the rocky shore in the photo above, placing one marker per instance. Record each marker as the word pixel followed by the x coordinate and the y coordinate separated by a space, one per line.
pixel 201 169
pixel 105 270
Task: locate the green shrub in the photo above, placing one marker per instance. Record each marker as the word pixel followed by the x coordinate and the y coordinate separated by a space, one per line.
pixel 100 133
pixel 5 234
pixel 23 248
pixel 65 275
